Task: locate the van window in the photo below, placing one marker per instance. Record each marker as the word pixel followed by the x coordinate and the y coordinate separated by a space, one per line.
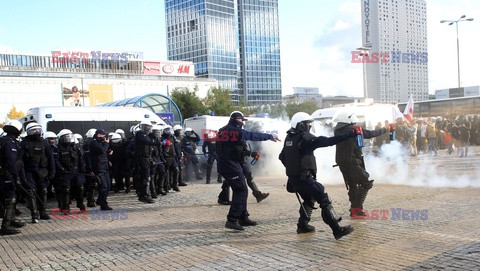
pixel 81 127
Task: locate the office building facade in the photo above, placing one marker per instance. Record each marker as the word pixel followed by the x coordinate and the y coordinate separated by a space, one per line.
pixel 235 42
pixel 395 31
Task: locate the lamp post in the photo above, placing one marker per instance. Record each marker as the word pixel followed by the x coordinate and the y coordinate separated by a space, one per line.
pixel 450 22
pixel 364 52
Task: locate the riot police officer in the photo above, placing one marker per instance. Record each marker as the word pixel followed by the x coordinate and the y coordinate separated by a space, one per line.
pixel 169 149
pixel 98 155
pixel 229 164
pixel 71 166
pixel 349 159
pixel 301 168
pixel 11 171
pixel 39 163
pixel 178 136
pixel 189 147
pixel 118 160
pixel 208 149
pixel 90 180
pixel 143 151
pixel 51 137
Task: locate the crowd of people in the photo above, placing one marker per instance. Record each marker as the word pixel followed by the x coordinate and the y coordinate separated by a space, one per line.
pixel 428 135
pixel 153 161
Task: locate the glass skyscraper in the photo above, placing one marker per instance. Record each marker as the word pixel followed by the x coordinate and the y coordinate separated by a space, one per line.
pixel 233 41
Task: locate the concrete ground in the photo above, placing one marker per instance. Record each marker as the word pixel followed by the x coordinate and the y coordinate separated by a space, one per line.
pixel 414 228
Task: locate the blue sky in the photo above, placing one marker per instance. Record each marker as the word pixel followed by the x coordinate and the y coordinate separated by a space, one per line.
pixel 317 37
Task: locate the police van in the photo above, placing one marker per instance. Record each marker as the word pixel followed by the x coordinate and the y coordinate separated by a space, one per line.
pixel 80 119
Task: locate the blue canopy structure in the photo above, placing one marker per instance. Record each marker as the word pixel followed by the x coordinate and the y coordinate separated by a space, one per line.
pixel 160 104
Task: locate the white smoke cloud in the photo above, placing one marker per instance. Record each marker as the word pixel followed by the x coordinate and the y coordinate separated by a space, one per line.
pixel 392 165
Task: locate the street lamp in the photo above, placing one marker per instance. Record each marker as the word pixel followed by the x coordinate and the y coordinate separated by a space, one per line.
pixel 450 22
pixel 364 52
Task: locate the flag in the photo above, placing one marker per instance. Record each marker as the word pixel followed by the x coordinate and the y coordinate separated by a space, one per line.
pixel 408 112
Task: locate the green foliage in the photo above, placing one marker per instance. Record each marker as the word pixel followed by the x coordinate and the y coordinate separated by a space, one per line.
pixel 219 101
pixel 307 106
pixel 188 102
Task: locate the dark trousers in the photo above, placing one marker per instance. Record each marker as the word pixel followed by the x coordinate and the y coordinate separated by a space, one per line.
pixel 104 188
pixel 310 191
pixel 238 207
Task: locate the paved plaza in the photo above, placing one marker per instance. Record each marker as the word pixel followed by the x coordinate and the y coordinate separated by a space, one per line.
pixel 408 228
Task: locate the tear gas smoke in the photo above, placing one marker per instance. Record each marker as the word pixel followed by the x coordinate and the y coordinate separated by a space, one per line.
pixel 392 163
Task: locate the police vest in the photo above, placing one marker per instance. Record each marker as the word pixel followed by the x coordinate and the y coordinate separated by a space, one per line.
pixel 68 157
pixel 35 154
pixel 296 162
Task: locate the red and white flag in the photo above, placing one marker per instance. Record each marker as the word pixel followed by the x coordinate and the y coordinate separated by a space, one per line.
pixel 408 112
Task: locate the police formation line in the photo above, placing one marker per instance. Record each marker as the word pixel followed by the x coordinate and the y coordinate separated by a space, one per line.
pixel 153 159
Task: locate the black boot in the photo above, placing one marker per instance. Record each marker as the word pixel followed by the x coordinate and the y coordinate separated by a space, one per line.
pixel 219 178
pixel 65 201
pixel 145 196
pixel 91 197
pixel 9 217
pixel 306 214
pixel 161 184
pixel 42 204
pixel 209 173
pixel 224 196
pixel 175 180
pixel 153 190
pixel 234 225
pixel 330 218
pixel 32 204
pixel 247 222
pixel 197 173
pixel 255 191
pixel 79 198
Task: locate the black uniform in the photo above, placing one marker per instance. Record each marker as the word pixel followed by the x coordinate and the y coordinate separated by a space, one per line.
pixel 71 167
pixel 143 151
pixel 11 171
pixel 99 165
pixel 301 168
pixel 189 147
pixel 171 165
pixel 177 136
pixel 208 149
pixel 119 163
pixel 229 163
pixel 349 159
pixel 39 164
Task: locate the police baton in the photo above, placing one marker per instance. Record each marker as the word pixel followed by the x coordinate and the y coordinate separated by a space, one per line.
pixel 34 192
pixel 299 201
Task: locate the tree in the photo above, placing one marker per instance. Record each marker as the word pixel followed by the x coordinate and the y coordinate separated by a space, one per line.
pixel 307 107
pixel 188 102
pixel 219 101
pixel 13 114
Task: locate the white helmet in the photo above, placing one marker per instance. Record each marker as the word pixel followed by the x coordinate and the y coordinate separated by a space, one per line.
pixel 34 128
pixel 300 117
pixel 110 135
pixel 119 131
pixel 49 134
pixel 188 129
pixel 116 138
pixel 78 136
pixel 177 127
pixel 345 116
pixel 13 126
pixel 65 136
pixel 167 129
pixel 90 133
pixel 146 125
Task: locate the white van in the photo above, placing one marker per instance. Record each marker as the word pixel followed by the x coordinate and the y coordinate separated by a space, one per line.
pixel 80 119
